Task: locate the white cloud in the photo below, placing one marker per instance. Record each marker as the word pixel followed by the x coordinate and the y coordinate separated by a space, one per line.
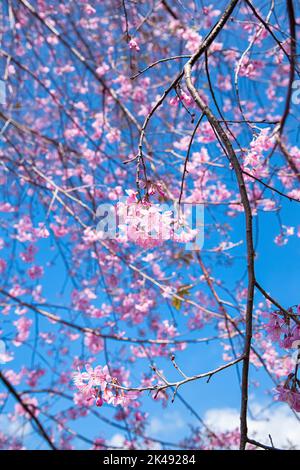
pixel 160 427
pixel 117 441
pixel 18 428
pixel 164 425
pixel 277 421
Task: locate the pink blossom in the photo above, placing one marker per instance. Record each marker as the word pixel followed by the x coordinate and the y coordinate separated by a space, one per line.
pixel 34 376
pixel 2 265
pixel 133 44
pixel 35 272
pixel 102 69
pixel 98 377
pixel 94 343
pixel 28 255
pixel 59 230
pixel 275 327
pixel 97 385
pixel 23 327
pixel 89 9
pixel 123 399
pixel 290 396
pixel 174 101
pixel 32 404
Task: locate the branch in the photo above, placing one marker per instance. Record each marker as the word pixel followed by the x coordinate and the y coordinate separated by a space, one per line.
pixel 274 302
pixel 41 429
pixel 84 329
pixel 259 444
pixel 166 384
pixel 248 218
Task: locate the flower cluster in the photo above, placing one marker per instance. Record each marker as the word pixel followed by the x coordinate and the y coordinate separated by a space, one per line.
pixel 148 225
pixel 290 392
pixel 284 330
pixel 98 386
pixel 262 142
pixel 281 328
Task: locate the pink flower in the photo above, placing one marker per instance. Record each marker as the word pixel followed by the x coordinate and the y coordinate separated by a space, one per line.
pixel 187 99
pixel 97 385
pixel 93 342
pixel 174 101
pixel 35 272
pixel 123 399
pixel 25 230
pixel 262 142
pixel 89 9
pixel 113 135
pixel 7 207
pixel 292 397
pixel 34 376
pixel 41 231
pixel 15 378
pixel 82 402
pixel 165 330
pixel 59 230
pixel 133 44
pixel 32 405
pixel 23 327
pixel 101 70
pixel 99 401
pixel 2 265
pixel 28 255
pixel 91 379
pixel 274 327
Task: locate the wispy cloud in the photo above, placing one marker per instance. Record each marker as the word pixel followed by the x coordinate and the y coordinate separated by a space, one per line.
pixel 165 424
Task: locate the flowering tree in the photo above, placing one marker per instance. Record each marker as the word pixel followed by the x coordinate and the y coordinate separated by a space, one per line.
pixel 122 123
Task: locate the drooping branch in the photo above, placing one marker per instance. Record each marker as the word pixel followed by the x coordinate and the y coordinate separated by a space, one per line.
pixel 248 220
